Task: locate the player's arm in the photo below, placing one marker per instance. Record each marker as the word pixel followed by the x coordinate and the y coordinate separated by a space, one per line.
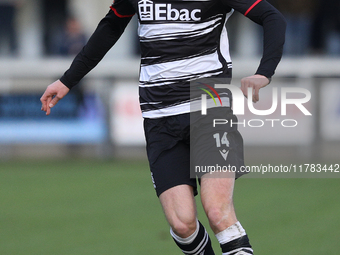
pixel 109 30
pixel 274 28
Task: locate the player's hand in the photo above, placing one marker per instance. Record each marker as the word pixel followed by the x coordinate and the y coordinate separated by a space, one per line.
pixel 256 82
pixel 53 93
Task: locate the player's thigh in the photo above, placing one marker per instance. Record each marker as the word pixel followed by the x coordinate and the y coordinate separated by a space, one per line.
pixel 168 153
pixel 179 207
pixel 215 148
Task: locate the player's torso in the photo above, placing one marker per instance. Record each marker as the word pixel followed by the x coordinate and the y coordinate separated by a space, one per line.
pixel 181 41
pixel 178 28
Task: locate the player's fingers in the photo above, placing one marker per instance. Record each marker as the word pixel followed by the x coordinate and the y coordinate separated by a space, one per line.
pixel 48 102
pixel 43 108
pixel 48 111
pixel 256 96
pixel 54 101
pixel 250 91
pixel 244 87
pixel 46 99
pixel 43 101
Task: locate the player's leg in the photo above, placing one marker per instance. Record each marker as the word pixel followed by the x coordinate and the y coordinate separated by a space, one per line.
pixel 217 200
pixel 220 147
pixel 180 210
pixel 169 159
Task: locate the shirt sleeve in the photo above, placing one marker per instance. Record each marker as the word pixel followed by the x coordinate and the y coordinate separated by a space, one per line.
pixel 274 27
pixel 108 31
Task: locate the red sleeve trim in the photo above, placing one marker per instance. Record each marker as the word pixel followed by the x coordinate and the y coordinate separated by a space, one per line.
pixel 119 15
pixel 252 7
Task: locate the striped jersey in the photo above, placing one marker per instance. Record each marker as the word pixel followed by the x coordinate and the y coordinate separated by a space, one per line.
pixel 181 41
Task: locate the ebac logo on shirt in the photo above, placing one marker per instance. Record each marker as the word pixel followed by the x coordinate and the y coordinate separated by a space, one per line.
pixel 148 11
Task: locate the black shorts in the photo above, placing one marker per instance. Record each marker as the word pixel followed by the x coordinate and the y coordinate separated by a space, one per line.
pixel 176 144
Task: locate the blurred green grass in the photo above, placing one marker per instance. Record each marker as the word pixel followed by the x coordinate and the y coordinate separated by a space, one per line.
pixel 73 207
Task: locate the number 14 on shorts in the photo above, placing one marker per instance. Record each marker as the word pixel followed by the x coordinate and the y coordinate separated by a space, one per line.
pixel 220 142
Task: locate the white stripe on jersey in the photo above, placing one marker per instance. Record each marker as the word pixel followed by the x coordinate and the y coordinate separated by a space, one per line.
pixel 154 103
pixel 168 111
pixel 181 68
pixel 150 31
pixel 183 108
pixel 224 41
pixel 175 36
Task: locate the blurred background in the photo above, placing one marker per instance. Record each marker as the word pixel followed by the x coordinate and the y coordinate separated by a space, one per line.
pixel 65 178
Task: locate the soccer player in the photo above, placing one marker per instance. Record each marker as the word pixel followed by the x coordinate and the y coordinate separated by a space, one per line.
pixel 183 41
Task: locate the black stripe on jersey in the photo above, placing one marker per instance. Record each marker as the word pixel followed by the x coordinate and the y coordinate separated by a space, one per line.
pixel 182 98
pixel 177 46
pixel 172 53
pixel 176 95
pixel 152 106
pixel 168 50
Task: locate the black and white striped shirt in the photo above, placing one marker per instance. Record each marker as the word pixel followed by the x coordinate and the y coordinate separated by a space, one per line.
pixel 181 41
